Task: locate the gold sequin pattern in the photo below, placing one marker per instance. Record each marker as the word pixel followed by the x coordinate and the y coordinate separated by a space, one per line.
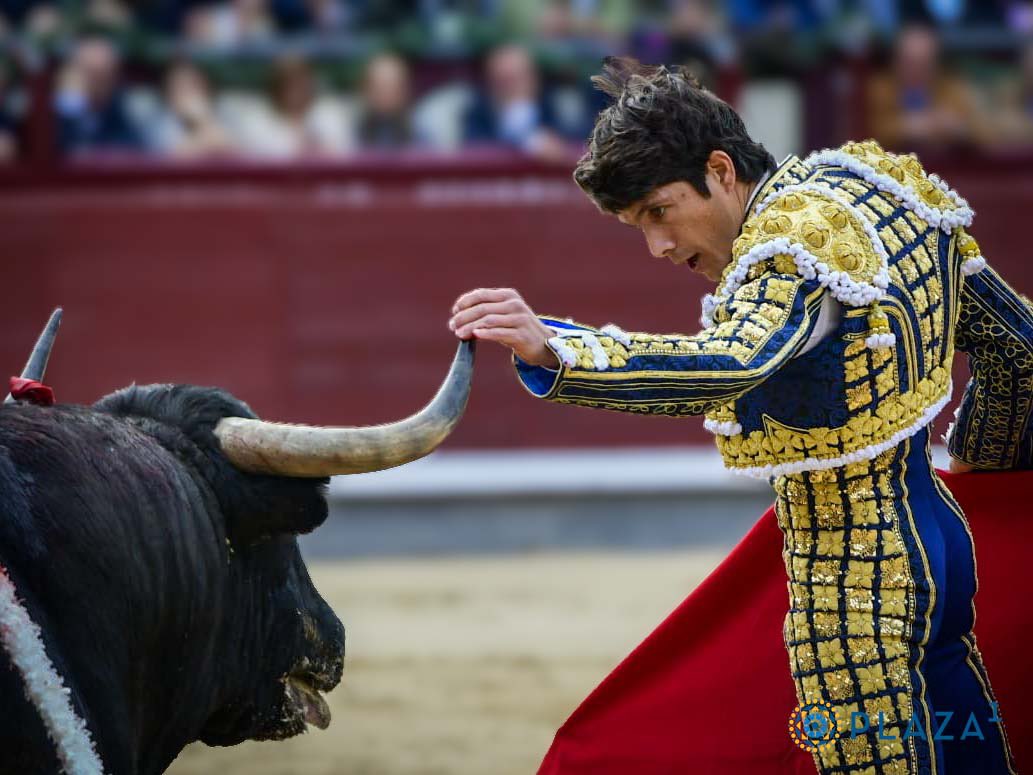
pixel 744 327
pixel 852 596
pixel 886 390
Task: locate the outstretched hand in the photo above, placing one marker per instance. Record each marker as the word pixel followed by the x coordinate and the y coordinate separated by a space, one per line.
pixel 501 315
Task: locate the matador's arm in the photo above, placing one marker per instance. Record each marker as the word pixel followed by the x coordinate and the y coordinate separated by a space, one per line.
pixel 763 325
pixel 992 428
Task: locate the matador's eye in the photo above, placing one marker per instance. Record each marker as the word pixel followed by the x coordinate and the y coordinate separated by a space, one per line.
pixel 658 211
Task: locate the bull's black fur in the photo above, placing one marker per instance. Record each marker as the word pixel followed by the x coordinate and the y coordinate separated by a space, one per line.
pixel 168 585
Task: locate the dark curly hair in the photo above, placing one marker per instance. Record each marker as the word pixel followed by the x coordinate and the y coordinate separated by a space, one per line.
pixel 662 127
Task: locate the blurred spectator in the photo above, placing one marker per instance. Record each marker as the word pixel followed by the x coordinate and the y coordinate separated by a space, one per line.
pixel 188 125
pixel 329 16
pixel 14 14
pixel 771 15
pixel 604 21
pixel 513 110
pixel 948 13
pixel 110 15
pixel 231 23
pixel 1013 114
pixel 817 49
pixel 918 103
pixel 44 22
pixel 1019 17
pixel 385 119
pixel 586 28
pixel 697 40
pixel 90 101
pixel 297 121
pixel 557 20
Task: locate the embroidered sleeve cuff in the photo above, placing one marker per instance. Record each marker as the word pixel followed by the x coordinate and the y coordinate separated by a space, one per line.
pixel 567 345
pixel 986 434
pixel 994 422
pixel 540 381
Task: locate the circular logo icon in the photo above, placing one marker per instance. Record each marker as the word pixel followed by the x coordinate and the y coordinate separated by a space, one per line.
pixel 813 726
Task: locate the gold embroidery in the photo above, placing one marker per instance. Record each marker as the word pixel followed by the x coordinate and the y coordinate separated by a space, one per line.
pixel 856 750
pixel 780 443
pixel 995 326
pixel 878 404
pixel 858 660
pixel 905 169
pixel 806 219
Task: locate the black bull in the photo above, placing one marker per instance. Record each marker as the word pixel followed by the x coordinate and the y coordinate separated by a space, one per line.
pixel 167 583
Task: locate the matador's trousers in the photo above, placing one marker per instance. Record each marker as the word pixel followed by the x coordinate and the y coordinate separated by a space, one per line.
pixel 881 580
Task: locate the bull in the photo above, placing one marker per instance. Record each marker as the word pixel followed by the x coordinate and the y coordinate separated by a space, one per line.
pixel 151 541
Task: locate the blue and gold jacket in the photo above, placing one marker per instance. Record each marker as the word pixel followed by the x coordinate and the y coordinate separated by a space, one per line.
pixel 830 336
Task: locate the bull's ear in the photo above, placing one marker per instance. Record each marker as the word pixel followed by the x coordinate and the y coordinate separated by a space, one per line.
pixel 269 505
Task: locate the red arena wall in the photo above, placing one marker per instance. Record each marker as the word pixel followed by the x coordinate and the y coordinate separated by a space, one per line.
pixel 321 294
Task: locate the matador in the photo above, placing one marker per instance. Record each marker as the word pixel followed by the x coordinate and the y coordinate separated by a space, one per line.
pixel 825 354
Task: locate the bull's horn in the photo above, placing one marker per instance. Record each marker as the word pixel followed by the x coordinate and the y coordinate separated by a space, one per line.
pixel 300 450
pixel 36 366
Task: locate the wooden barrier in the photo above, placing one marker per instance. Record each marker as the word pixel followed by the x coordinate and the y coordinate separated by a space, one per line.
pixel 321 293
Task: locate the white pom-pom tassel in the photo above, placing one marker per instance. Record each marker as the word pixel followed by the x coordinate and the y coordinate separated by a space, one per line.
pixel 709 305
pixel 599 356
pixel 973 265
pixel 564 351
pixel 617 333
pixel 945 219
pixel 881 340
pixel 722 427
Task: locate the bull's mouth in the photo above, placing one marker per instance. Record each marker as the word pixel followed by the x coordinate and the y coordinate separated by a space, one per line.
pixel 304 697
pixel 284 708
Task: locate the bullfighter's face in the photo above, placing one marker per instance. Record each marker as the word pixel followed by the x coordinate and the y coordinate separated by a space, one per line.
pixel 689 229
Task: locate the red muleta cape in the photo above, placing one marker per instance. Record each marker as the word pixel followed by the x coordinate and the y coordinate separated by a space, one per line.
pixel 709 691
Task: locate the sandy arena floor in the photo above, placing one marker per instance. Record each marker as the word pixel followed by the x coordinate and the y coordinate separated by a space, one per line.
pixel 466 666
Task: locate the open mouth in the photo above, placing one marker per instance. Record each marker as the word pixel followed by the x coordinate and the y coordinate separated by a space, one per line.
pixel 304 693
pixel 693 261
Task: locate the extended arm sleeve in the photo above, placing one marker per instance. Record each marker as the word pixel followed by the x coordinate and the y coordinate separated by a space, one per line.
pixel 763 325
pixel 992 423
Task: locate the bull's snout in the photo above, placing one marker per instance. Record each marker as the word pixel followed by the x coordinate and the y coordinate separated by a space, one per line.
pixel 320 669
pixel 324 638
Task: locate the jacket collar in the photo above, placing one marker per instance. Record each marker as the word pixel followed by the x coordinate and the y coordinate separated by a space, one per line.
pixel 770 182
